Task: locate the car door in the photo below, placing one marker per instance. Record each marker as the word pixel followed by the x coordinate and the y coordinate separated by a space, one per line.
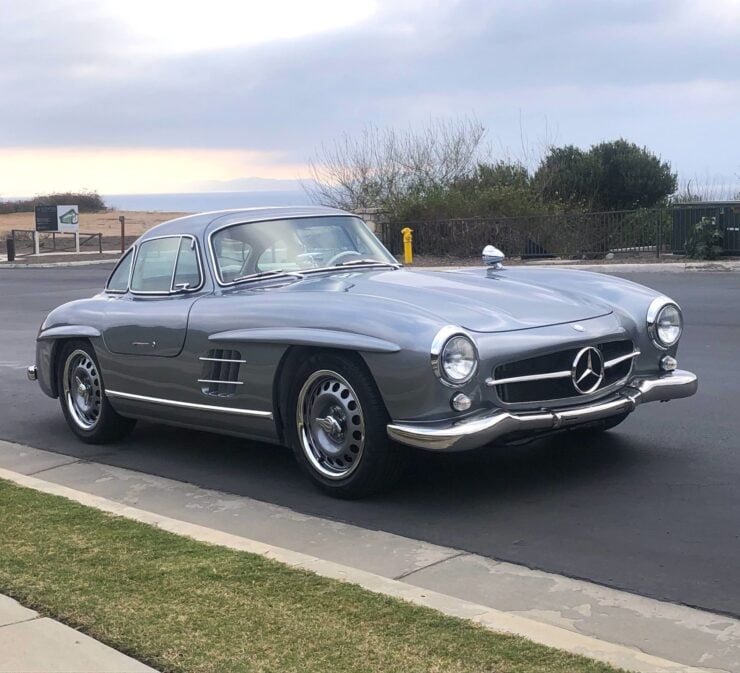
pixel 150 317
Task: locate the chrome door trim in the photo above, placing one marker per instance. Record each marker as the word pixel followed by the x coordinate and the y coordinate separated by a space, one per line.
pixel 204 359
pixel 190 405
pixel 230 383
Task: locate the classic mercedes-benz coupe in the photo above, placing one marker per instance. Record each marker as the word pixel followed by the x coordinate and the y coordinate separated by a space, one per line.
pixel 296 326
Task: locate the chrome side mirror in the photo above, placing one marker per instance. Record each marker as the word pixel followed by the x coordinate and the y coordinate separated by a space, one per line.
pixel 492 256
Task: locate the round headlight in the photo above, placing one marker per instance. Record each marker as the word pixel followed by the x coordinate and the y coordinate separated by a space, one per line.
pixel 668 325
pixel 665 324
pixel 458 359
pixel 454 357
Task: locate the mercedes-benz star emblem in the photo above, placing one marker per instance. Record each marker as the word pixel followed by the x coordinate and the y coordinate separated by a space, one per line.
pixel 587 372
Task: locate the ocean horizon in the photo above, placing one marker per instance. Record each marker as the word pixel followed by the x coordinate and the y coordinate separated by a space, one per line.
pixel 198 202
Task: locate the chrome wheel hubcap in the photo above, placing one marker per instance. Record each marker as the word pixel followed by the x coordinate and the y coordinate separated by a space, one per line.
pixel 82 389
pixel 331 425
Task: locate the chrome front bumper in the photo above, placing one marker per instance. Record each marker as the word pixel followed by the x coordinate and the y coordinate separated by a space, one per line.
pixel 487 427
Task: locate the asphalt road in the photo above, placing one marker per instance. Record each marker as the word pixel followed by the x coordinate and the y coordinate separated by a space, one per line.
pixel 653 507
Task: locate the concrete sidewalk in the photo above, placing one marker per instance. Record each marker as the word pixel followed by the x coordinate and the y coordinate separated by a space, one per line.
pixel 634 632
pixel 30 643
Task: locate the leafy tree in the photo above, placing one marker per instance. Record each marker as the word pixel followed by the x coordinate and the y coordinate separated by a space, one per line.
pixel 568 175
pixel 630 176
pixel 493 189
pixel 614 175
pixel 382 167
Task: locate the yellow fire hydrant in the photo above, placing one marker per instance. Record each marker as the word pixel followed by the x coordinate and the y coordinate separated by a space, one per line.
pixel 408 249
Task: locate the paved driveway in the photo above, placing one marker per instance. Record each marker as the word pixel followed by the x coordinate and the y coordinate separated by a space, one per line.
pixel 653 507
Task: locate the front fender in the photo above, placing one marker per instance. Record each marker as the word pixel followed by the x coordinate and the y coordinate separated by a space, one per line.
pixel 47 346
pixel 68 332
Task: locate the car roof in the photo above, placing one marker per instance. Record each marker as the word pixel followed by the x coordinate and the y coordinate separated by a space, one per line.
pixel 205 222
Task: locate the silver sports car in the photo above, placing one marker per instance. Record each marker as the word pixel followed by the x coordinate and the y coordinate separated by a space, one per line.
pixel 296 326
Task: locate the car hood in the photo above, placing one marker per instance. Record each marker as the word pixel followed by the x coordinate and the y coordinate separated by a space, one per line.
pixel 479 301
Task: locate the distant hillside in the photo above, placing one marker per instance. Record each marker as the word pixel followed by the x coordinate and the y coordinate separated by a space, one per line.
pixel 199 202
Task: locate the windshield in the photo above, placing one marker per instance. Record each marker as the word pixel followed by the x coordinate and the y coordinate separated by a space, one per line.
pixel 295 245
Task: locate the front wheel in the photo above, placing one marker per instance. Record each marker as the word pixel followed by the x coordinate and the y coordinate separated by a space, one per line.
pixel 337 426
pixel 86 409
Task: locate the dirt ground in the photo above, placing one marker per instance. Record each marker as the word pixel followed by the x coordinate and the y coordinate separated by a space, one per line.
pixel 105 223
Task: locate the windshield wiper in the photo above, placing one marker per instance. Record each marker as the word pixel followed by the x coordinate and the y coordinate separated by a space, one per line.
pixel 275 273
pixel 353 262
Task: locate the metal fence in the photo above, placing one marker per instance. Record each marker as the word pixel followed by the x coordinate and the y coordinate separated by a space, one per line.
pixel 569 235
pixel 726 214
pixel 52 241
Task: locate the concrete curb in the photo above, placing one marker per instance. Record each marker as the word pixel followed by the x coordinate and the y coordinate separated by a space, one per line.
pixel 667 267
pixel 53 265
pixel 497 620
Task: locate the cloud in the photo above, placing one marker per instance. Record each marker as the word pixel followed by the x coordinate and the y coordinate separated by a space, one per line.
pixel 662 72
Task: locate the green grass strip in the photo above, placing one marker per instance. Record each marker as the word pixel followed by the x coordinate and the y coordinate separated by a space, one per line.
pixel 182 605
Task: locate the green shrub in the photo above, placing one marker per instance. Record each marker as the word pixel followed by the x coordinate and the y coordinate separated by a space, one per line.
pixel 88 202
pixel 706 240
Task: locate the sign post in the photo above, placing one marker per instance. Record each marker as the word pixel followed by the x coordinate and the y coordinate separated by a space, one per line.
pixel 122 220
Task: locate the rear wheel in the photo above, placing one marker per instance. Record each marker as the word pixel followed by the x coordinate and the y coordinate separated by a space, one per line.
pixel 86 409
pixel 337 427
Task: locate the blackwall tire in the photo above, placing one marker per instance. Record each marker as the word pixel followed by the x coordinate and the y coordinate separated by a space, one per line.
pixel 336 423
pixel 81 389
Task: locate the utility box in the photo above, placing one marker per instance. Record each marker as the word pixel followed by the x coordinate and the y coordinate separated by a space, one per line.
pixel 687 215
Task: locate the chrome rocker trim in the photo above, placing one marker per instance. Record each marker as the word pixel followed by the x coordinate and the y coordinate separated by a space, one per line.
pixel 190 405
pixel 487 427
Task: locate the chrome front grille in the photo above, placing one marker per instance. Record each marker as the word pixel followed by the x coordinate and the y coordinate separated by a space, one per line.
pixel 550 377
pixel 220 374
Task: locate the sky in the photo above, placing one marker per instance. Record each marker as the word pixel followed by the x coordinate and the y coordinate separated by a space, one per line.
pixel 147 96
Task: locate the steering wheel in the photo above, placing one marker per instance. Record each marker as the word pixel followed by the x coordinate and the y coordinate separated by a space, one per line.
pixel 341 255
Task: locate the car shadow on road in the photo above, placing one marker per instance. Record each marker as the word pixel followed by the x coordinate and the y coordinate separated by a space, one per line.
pixel 558 463
pixel 484 477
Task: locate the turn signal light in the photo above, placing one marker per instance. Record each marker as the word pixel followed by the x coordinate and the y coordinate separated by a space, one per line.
pixel 461 402
pixel 668 364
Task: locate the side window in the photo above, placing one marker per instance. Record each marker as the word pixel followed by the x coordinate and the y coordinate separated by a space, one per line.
pixel 155 263
pixel 187 274
pixel 118 281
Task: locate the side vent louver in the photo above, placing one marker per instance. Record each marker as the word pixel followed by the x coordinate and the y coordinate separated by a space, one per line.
pixel 220 373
